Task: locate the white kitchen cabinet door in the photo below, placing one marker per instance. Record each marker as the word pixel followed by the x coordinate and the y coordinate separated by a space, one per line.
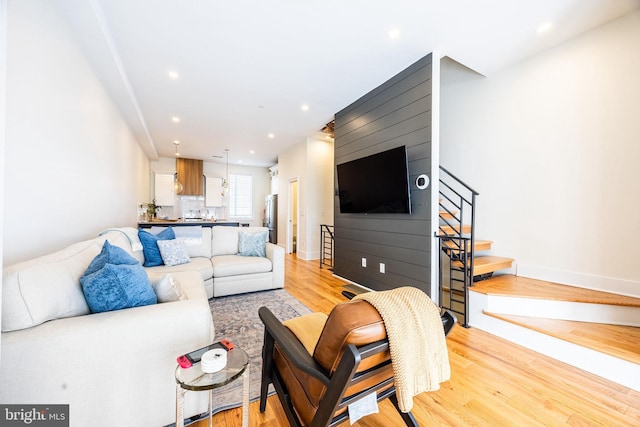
pixel 165 191
pixel 213 192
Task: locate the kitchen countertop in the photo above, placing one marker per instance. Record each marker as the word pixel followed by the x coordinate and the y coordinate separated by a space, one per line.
pixel 187 222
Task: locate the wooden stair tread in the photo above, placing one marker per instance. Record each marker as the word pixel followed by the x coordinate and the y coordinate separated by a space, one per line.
pixel 451 231
pixel 487 264
pixel 479 245
pixel 510 285
pixel 447 215
pixel 622 342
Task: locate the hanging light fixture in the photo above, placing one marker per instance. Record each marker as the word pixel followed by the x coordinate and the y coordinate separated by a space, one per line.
pixel 177 185
pixel 225 181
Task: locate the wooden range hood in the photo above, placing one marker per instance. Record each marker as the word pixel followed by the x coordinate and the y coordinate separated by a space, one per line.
pixel 190 175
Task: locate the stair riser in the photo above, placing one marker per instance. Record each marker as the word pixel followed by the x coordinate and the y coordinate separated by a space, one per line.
pixel 620 371
pixel 564 310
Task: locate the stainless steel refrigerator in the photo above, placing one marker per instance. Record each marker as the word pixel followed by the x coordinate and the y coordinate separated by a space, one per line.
pixel 271 216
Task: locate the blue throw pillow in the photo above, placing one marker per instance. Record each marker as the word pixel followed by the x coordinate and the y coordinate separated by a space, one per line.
pixel 150 249
pixel 110 255
pixel 252 244
pixel 115 287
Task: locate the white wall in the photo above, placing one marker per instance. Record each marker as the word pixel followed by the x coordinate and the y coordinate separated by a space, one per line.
pixel 319 195
pixel 553 146
pixel 3 122
pixel 72 166
pixel 311 163
pixel 291 166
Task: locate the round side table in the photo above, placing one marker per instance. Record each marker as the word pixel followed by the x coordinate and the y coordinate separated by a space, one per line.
pixel 195 379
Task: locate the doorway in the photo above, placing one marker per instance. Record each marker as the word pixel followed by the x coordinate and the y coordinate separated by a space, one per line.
pixel 292 217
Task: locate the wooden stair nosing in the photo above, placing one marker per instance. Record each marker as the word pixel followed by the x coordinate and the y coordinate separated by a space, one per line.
pixel 478 245
pixel 448 230
pixel 624 346
pixel 524 287
pixel 487 264
pixel 448 215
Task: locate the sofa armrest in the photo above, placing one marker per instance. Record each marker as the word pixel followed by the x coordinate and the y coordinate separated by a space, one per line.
pixel 103 356
pixel 275 254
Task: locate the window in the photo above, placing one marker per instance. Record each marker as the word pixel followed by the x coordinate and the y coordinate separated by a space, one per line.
pixel 241 196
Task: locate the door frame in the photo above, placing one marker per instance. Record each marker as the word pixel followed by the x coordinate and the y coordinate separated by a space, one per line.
pixel 293 183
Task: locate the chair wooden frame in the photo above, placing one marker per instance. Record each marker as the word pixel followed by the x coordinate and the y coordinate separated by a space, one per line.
pixel 344 376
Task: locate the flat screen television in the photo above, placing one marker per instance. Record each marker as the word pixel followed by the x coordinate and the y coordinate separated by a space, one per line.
pixel 375 184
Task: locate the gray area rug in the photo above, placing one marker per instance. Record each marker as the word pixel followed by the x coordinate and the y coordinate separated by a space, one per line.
pixel 236 318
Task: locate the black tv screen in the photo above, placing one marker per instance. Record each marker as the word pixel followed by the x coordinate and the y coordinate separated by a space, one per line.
pixel 375 184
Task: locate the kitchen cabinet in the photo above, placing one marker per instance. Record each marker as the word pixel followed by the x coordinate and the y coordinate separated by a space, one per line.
pixel 190 175
pixel 213 192
pixel 273 173
pixel 164 189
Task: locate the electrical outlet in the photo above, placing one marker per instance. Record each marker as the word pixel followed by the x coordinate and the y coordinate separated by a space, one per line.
pixel 364 262
pixel 382 268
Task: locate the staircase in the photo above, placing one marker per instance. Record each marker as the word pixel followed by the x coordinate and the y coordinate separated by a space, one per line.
pixel 596 331
pixel 463 259
pixel 326 246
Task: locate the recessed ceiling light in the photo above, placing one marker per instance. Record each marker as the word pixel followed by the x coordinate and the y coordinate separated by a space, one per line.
pixel 271 136
pixel 239 161
pixel 394 34
pixel 305 107
pixel 173 75
pixel 252 152
pixel 176 119
pixel 544 27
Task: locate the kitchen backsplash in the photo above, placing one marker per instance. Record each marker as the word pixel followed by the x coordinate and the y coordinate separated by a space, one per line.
pixel 190 207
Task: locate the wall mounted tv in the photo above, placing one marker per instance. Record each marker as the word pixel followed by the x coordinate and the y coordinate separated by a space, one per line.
pixel 375 184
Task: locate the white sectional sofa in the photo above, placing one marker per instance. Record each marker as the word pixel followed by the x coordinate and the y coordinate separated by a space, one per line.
pixel 116 367
pixel 224 271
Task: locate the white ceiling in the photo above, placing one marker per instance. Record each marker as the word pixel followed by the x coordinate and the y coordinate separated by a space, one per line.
pixel 246 67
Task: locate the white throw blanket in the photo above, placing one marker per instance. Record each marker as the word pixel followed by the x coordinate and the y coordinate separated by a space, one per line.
pixel 132 235
pixel 190 235
pixel 419 355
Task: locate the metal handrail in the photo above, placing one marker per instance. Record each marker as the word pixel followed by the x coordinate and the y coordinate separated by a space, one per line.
pixel 327 228
pixel 442 168
pixel 326 245
pixel 463 246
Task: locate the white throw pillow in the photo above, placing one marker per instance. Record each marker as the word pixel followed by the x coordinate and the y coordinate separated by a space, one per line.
pixel 168 289
pixel 173 252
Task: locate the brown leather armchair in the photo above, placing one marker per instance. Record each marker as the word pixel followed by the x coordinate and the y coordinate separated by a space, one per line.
pixel 326 365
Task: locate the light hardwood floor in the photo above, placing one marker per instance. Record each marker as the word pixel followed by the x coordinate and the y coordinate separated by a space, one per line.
pixel 493 382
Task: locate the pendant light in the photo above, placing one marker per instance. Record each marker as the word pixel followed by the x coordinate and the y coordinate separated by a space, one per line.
pixel 225 181
pixel 177 185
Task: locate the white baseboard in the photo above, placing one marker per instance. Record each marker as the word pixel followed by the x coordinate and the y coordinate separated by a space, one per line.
pixel 598 283
pixel 308 255
pixel 351 282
